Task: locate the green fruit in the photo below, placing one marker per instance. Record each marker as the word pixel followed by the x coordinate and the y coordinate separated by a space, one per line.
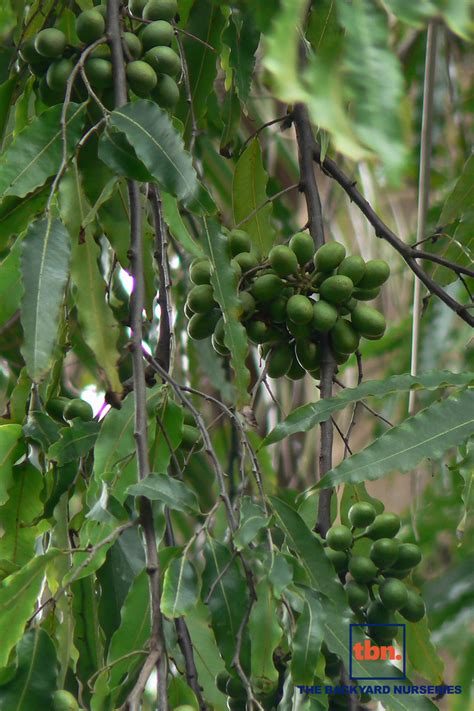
pixel 318 278
pixel 236 268
pixel 362 569
pixel 393 594
pixel 50 42
pixel 239 241
pixel 133 44
pixel 307 354
pixel 248 305
pixel 78 408
pixel 218 347
pixel 368 321
pixel 55 407
pixel 324 316
pixel 361 514
pixel 336 289
pixel 141 77
pixel 90 26
pixel 366 294
pixel 384 552
pixel 246 261
pixel 333 665
pixel 39 68
pixel 344 338
pixel 339 559
pixel 414 609
pixel 283 260
pixel 299 331
pixel 202 326
pixel 99 73
pixel 377 614
pixel 201 299
pixel 163 60
pixel 316 373
pixel 357 594
pixel 395 573
pixel 48 97
pixel 102 8
pixel 280 360
pixel 190 437
pixel 383 635
pixel 409 555
pixel 102 51
pixel 64 701
pixel 184 707
pixel 235 688
pixel 219 331
pixel 160 10
pixel 377 271
pixel 329 256
pixel 299 309
pixel 339 537
pixel 295 372
pixel 340 357
pixel 221 681
pixel 166 92
pixel 136 7
pixel 267 287
pixel 188 418
pixel 28 52
pixel 385 525
pixel 277 310
pixel 256 331
pixel 303 246
pixel 200 271
pixel 352 267
pixel 58 74
pixel 157 34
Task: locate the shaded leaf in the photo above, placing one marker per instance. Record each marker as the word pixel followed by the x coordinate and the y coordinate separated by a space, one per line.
pixel 422 656
pixel 45 268
pixel 242 38
pixel 37 151
pixel 177 227
pixel 6 93
pixel 11 448
pixel 10 279
pixel 460 199
pixel 41 428
pixel 307 639
pixel 169 428
pixel 248 193
pixel 119 156
pixel 87 632
pixel 75 441
pixel 252 520
pixel 17 213
pixel 172 492
pixel 265 635
pixel 429 433
pixel 306 417
pixel 18 515
pixel 206 655
pixel 180 588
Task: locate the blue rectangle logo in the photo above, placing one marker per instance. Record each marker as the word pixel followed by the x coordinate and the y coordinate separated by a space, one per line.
pixel 368 651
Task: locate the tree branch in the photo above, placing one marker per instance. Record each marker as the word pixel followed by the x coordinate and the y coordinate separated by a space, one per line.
pixel 157 648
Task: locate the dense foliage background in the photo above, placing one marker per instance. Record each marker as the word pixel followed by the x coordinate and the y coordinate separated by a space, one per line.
pixel 99 205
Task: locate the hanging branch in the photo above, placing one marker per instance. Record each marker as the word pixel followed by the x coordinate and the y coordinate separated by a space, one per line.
pixel 157 657
pixel 305 141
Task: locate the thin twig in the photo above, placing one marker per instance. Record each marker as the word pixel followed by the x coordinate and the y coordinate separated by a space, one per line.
pixel 257 132
pixel 270 199
pixel 189 96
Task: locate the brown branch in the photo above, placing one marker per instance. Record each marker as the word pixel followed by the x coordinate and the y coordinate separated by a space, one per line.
pixel 407 252
pixel 305 140
pixel 157 647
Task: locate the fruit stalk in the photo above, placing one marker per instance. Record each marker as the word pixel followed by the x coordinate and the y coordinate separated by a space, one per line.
pixel 157 646
pixel 305 141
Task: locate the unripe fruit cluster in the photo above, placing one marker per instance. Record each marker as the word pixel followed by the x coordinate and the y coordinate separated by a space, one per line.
pixel 63 408
pixel 388 563
pixel 152 65
pixel 290 301
pixel 231 685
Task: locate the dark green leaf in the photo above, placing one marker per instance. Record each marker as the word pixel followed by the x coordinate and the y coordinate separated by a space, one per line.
pixel 180 588
pixel 17 213
pixel 264 617
pixel 242 38
pixel 119 156
pixel 206 655
pixel 75 441
pixel 19 515
pixel 11 448
pixel 252 520
pixel 10 283
pixel 307 639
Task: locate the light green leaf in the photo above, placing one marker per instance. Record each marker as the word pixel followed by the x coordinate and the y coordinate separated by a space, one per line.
pixel 280 575
pixel 18 515
pixel 429 433
pixel 158 146
pixel 177 227
pixel 306 417
pixel 307 639
pixel 206 655
pixel 37 151
pixel 252 520
pixel 422 655
pixel 10 279
pixel 180 588
pixel 18 596
pixel 17 213
pixel 225 293
pixel 264 617
pixel 88 638
pixel 99 327
pixel 242 38
pixel 12 448
pixel 75 441
pixel 34 681
pixel 45 269
pixel 248 193
pixel 172 492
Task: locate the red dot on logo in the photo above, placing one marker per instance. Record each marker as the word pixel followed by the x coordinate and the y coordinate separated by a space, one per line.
pixel 399 656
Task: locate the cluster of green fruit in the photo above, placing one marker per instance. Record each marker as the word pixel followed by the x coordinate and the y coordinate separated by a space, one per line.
pixel 232 686
pixel 288 302
pixel 376 589
pixel 63 408
pixel 151 63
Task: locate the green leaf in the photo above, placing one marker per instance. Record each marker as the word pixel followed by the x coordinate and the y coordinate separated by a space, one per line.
pixel 169 429
pixel 6 93
pixel 158 146
pixel 206 655
pixel 248 193
pixel 37 151
pixel 422 656
pixel 87 633
pixel 99 327
pixel 11 448
pixel 10 279
pixel 172 492
pixel 34 682
pixel 307 639
pixel 45 269
pixel 41 428
pixel 264 617
pixel 75 441
pixel 17 213
pixel 460 199
pixel 413 13
pixel 117 153
pixel 18 515
pixel 180 588
pixel 429 433
pixel 306 417
pixel 18 596
pixel 252 520
pixel 242 38
pixel 227 594
pixel 177 227
pixel 180 694
pixel 225 293
pixel 280 575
